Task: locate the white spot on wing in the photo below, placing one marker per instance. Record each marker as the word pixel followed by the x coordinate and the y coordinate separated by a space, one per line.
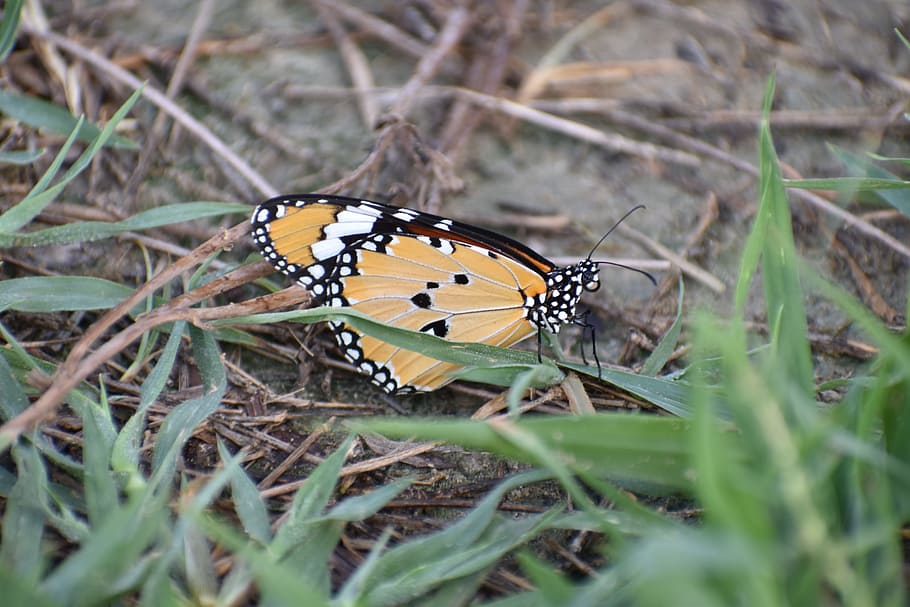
pixel 367 209
pixel 328 248
pixel 342 228
pixel 405 215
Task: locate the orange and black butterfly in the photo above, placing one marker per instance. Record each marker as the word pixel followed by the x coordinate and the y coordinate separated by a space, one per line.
pixel 417 271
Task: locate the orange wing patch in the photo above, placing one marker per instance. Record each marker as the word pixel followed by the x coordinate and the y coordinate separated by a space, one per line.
pixel 299 230
pixel 461 295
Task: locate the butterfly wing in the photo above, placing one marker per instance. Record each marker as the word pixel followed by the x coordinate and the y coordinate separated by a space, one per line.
pixel 403 268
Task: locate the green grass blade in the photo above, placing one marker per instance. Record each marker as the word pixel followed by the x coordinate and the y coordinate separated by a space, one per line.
pixel 22 591
pixel 248 504
pixel 88 231
pixel 667 343
pixel 14 218
pixel 278 583
pixel 411 569
pixel 356 585
pixel 772 238
pixel 860 165
pixel 12 10
pixel 359 507
pixel 60 294
pixel 181 422
pixel 671 396
pixel 644 449
pixel 100 489
pixel 41 114
pixel 554 587
pixel 849 184
pixel 24 519
pixel 105 563
pixel 21 157
pixel 302 542
pixel 125 454
pixel 36 200
pixel 13 399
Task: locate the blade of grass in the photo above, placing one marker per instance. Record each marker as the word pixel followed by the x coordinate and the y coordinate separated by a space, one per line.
pixel 98 482
pixel 646 449
pixel 41 114
pixel 23 519
pixel 88 231
pixel 248 504
pixel 182 421
pixel 21 157
pixel 107 560
pixel 300 543
pixel 671 396
pixel 12 10
pixel 39 197
pixel 125 454
pixel 60 294
pixel 772 240
pixel 278 583
pixel 667 343
pixel 12 397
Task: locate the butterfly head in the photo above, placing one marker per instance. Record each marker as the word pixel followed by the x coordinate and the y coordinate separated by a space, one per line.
pixel 565 285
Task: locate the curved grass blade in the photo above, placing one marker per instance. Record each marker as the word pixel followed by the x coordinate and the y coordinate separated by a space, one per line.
pixel 88 231
pixel 41 114
pixel 60 293
pixel 41 195
pixel 12 11
pixel 645 449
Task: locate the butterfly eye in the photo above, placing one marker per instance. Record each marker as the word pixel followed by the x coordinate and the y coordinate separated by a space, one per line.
pixel 592 283
pixel 590 278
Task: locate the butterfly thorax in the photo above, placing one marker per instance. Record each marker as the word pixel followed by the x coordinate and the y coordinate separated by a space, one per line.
pixel 556 306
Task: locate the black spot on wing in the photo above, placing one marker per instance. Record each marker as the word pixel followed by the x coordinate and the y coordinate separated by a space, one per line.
pixel 439 328
pixel 432 285
pixel 421 300
pixel 461 279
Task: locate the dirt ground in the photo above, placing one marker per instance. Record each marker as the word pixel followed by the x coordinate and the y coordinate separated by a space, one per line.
pixel 274 86
pixel 612 105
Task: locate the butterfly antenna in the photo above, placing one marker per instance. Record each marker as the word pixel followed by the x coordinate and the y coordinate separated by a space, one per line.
pixel 624 266
pixel 610 231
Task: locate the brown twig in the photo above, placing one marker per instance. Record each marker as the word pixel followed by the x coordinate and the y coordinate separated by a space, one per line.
pixel 381 29
pixel 455 26
pixel 355 61
pixel 580 131
pixel 687 267
pixel 485 74
pixel 181 69
pixel 166 105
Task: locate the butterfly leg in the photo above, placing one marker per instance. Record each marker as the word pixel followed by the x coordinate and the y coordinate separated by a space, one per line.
pixel 582 321
pixel 539 345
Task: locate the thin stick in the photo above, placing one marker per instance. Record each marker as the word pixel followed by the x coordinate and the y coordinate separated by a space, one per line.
pixel 161 101
pixel 687 267
pixel 355 61
pixel 455 26
pixel 580 131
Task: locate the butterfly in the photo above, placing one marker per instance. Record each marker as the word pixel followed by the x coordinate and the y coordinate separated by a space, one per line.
pixel 417 271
